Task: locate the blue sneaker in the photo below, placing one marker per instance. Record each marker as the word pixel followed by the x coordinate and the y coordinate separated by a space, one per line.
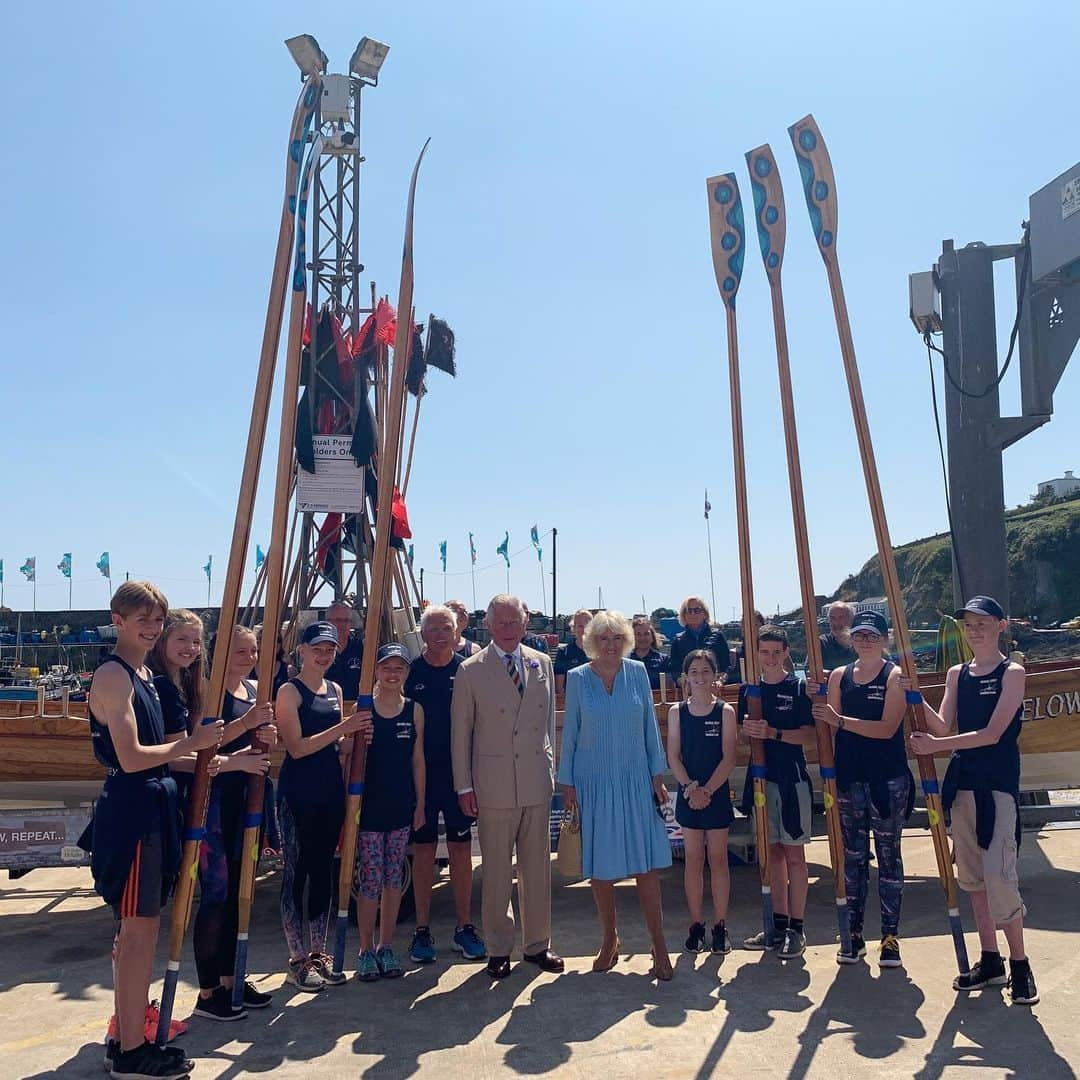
pixel 469 943
pixel 387 962
pixel 422 950
pixel 367 967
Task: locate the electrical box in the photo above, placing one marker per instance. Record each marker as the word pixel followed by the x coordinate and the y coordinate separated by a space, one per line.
pixel 925 302
pixel 335 98
pixel 1055 227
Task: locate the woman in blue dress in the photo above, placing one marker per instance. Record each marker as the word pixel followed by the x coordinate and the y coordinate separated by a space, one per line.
pixel 612 768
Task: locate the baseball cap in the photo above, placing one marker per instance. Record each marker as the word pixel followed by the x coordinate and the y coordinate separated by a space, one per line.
pixel 870 620
pixel 981 605
pixel 318 632
pixel 392 651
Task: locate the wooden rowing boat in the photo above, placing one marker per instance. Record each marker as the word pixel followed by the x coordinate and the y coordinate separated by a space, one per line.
pixel 56 745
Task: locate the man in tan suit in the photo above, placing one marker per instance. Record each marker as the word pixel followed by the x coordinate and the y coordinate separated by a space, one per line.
pixel 502 710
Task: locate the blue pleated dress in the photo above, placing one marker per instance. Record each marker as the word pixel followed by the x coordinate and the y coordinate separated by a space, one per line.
pixel 611 750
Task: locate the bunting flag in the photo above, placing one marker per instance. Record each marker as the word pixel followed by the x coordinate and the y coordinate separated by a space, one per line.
pixel 64 565
pixel 410 557
pixel 1 571
pixel 534 536
pixel 260 558
pixel 472 549
pixel 29 568
pixel 209 564
pixel 708 505
pixel 399 516
pixel 504 549
pixel 103 565
pixel 442 554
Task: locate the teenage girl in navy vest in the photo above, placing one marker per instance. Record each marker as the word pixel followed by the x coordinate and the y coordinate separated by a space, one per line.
pixel 875 789
pixel 984 704
pixel 394 789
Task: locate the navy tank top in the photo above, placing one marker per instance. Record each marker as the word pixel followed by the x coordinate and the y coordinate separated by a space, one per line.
pixel 997 766
pixel 859 759
pixel 316 778
pixel 701 746
pixel 149 724
pixel 389 794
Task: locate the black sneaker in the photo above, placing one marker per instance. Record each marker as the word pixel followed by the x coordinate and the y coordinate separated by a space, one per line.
pixel 988 970
pixel 1022 989
pixel 695 942
pixel 147 1062
pixel 218 1006
pixel 112 1048
pixel 794 945
pixel 856 952
pixel 255 999
pixel 889 956
pixel 721 939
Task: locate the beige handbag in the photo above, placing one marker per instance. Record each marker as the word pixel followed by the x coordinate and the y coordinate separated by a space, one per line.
pixel 568 858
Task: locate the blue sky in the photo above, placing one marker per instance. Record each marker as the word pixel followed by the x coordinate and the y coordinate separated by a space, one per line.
pixel 561 229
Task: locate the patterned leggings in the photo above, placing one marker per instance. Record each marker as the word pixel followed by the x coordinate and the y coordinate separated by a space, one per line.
pixel 380 862
pixel 858 818
pixel 309 836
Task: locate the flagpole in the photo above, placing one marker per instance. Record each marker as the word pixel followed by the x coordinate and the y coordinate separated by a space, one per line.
pixel 474 586
pixel 543 591
pixel 712 580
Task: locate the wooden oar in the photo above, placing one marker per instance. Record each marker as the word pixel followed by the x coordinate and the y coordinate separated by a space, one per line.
pixel 728 235
pixel 820 190
pixel 195 828
pixel 771 217
pixel 275 568
pixel 380 571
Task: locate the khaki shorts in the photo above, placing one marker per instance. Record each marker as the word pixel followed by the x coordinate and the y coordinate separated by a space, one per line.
pixel 992 871
pixel 773 811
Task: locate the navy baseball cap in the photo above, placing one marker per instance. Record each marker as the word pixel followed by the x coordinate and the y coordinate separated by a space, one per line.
pixel 392 651
pixel 981 605
pixel 870 620
pixel 318 632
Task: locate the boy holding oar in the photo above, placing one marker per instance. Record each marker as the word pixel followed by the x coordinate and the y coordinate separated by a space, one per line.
pixel 983 703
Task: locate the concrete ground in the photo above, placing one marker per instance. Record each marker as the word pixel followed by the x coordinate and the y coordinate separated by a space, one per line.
pixel 748 1014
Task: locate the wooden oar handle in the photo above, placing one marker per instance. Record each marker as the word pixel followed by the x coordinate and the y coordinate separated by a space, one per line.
pixel 727 231
pixel 768 209
pixel 819 185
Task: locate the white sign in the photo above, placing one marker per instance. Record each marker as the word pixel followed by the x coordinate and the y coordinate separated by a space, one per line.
pixel 337 485
pixel 1070 197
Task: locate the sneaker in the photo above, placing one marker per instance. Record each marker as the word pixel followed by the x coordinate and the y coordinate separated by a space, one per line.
pixel 764 942
pixel 422 949
pixel 988 970
pixel 469 943
pixel 695 942
pixel 1022 989
pixel 793 945
pixel 324 965
pixel 303 975
pixel 254 998
pixel 112 1048
pixel 150 1025
pixel 389 968
pixel 367 967
pixel 218 1006
pixel 855 954
pixel 889 957
pixel 147 1062
pixel 721 939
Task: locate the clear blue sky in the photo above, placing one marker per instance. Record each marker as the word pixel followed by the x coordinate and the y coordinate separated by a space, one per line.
pixel 561 229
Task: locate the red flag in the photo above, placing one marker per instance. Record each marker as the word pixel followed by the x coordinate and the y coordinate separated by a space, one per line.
pixel 306 337
pixel 385 323
pixel 399 527
pixel 329 535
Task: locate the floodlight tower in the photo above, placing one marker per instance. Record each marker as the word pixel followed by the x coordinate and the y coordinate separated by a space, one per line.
pixel 956 299
pixel 335 264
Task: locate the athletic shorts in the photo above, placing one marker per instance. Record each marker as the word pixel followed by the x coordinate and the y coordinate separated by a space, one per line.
pixel 143 894
pixel 458 825
pixel 774 812
pixel 380 862
pixel 992 871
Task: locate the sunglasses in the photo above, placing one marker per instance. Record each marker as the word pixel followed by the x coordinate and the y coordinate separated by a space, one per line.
pixel 695 611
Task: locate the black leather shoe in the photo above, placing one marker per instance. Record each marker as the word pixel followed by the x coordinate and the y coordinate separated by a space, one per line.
pixel 498 967
pixel 546 960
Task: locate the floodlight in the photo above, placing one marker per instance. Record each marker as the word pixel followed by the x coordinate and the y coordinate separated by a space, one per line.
pixel 310 59
pixel 368 58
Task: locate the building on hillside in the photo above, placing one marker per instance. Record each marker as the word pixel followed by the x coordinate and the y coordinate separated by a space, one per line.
pixel 880 604
pixel 1063 485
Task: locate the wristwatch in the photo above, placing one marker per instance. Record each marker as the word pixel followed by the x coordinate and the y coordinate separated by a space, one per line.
pixel 779 736
pixel 840 723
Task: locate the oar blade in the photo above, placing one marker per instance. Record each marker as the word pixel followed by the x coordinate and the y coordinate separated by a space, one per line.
pixel 819 185
pixel 769 213
pixel 727 231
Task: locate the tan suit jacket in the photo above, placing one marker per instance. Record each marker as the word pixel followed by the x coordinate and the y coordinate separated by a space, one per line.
pixel 499 739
